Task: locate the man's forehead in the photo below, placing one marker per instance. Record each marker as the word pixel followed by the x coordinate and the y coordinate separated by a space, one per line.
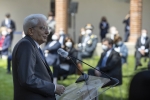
pixel 42 22
pixel 105 42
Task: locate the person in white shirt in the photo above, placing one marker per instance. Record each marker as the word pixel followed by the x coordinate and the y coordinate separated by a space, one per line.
pixel 142 47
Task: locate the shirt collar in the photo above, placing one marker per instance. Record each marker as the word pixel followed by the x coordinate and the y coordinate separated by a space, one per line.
pixel 108 52
pixel 38 46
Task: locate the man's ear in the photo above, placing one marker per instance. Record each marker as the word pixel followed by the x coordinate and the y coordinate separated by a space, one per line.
pixel 30 31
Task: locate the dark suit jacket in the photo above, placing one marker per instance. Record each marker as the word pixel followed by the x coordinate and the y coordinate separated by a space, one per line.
pixel 139 86
pixel 32 76
pixel 103 31
pixel 72 67
pixel 139 44
pixel 113 65
pixel 127 24
pixel 12 26
pixel 6 45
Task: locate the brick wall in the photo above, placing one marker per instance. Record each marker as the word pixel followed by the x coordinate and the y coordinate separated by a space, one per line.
pixel 61 15
pixel 135 19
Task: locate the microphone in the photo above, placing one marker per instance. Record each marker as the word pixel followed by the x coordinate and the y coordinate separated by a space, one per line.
pixel 62 52
pixel 65 54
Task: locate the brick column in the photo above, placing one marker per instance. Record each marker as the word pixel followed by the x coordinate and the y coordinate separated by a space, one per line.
pixel 61 11
pixel 135 19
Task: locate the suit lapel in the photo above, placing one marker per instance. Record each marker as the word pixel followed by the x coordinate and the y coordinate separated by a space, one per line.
pixel 102 56
pixel 43 60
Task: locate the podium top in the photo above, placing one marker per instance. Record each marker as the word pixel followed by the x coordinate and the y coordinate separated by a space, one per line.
pixel 84 90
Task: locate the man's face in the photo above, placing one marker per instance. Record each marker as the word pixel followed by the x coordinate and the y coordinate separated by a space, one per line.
pixel 107 44
pixel 40 32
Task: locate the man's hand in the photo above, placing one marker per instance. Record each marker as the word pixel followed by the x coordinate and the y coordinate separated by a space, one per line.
pixel 97 73
pixel 60 89
pixel 46 51
pixel 142 52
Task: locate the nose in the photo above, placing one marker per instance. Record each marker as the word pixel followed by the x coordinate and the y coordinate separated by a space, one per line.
pixel 47 32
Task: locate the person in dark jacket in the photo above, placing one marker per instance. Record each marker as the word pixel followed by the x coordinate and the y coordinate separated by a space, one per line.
pixel 126 21
pixel 10 24
pixel 109 63
pixel 66 66
pixel 82 33
pixel 139 86
pixel 88 45
pixel 5 42
pixel 32 77
pixel 51 24
pixel 142 48
pixel 50 51
pixel 103 26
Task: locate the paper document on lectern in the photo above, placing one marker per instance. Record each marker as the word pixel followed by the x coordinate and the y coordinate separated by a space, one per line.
pixel 84 90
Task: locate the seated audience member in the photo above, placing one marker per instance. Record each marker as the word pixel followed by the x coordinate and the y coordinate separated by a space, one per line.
pixel 89 44
pixel 140 86
pixel 112 32
pixel 66 66
pixel 82 33
pixel 109 63
pixel 121 48
pixel 51 24
pixel 50 51
pixel 5 42
pixel 142 47
pixel 62 36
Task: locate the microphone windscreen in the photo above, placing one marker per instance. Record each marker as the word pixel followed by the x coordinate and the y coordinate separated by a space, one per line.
pixel 62 53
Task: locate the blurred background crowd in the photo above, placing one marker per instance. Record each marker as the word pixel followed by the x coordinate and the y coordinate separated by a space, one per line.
pixel 114 45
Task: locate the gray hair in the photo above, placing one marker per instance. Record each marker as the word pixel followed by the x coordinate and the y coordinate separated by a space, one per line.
pixel 32 21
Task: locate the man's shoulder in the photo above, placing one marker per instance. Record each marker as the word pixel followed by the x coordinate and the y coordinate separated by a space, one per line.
pixel 23 43
pixel 115 52
pixel 93 36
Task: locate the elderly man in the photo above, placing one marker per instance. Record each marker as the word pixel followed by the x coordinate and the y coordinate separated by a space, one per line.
pixel 32 76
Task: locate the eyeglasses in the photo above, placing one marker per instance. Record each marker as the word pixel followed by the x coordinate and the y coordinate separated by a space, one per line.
pixel 43 28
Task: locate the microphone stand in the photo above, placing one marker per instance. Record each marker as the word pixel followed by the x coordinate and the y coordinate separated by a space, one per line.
pixel 84 76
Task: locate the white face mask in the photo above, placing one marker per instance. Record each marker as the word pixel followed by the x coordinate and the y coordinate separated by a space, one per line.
pixel 104 47
pixel 88 32
pixel 119 43
pixel 54 37
pixel 83 32
pixel 69 44
pixel 144 34
pixel 61 32
pixel 4 33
